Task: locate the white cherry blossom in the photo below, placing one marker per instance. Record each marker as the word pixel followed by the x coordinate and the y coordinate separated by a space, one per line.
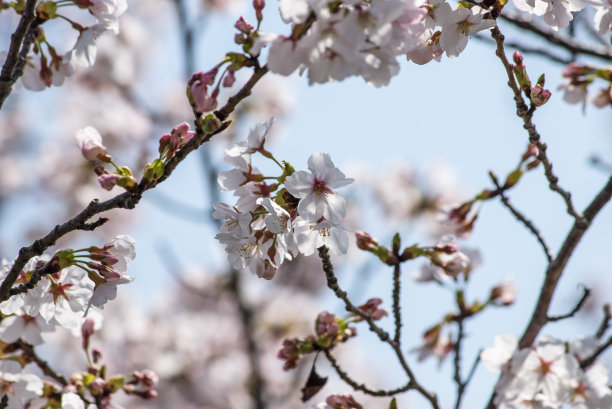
pixel 314 188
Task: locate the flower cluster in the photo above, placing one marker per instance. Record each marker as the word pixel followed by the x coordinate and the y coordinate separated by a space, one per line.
pixel 358 38
pixel 549 375
pixel 579 77
pixel 63 288
pixel 297 213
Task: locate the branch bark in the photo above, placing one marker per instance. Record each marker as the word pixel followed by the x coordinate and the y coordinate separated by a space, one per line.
pixel 21 40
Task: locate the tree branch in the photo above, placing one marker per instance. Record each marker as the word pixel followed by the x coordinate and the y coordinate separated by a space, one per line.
pixel 605 322
pixel 554 37
pixel 21 40
pixel 126 200
pixel 541 51
pixel 534 137
pixel 573 312
pixel 557 266
pixel 332 283
pixel 521 218
pixel 397 312
pixel 28 350
pixel 590 360
pixel 360 386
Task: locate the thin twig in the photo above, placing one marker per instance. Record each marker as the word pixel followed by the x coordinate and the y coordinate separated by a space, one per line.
pixel 21 40
pixel 47 269
pixel 473 368
pixel 541 51
pixel 605 322
pixel 332 283
pixel 573 312
pixel 520 217
pixel 590 360
pixel 397 312
pixel 457 363
pixel 554 37
pixel 360 386
pixel 534 137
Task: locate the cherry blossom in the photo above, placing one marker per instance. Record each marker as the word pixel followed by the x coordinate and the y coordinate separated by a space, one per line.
pixel 314 188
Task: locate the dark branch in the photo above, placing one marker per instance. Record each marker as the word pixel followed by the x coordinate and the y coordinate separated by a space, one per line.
pixel 534 137
pixel 332 283
pixel 29 352
pixel 553 37
pixel 397 312
pixel 590 360
pixel 21 40
pixel 360 386
pixel 541 51
pixel 556 268
pixel 520 217
pixel 605 322
pixel 47 269
pixel 573 312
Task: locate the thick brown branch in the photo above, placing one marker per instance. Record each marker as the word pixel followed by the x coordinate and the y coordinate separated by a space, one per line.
pixel 21 41
pixel 557 266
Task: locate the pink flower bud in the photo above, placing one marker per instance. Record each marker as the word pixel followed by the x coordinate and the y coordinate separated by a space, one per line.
pixel 87 329
pixel 97 386
pixel 198 87
pixel 258 5
pixel 365 241
pixel 96 354
pixel 90 142
pixel 108 181
pixel 229 79
pixel 539 95
pixel 243 26
pixel 518 58
pixel 371 308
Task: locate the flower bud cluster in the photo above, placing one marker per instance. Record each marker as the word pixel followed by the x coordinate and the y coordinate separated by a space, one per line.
pixel 92 148
pixel 579 78
pixel 329 331
pixel 278 217
pixel 536 93
pixel 551 374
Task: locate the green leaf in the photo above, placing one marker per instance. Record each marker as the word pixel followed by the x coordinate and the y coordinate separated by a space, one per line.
pixel 393 404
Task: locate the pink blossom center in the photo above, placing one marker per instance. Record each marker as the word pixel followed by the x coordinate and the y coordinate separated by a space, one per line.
pixel 320 188
pixel 545 366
